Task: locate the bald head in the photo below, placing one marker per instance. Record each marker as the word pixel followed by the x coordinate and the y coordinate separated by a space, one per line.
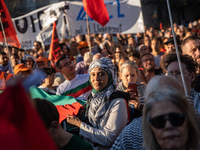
pixel 97 56
pixel 159 82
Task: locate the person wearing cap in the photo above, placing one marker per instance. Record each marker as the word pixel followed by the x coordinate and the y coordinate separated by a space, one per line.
pixel 47 85
pixel 22 70
pixel 82 67
pixel 41 62
pixel 83 48
pixel 29 61
pixel 170 46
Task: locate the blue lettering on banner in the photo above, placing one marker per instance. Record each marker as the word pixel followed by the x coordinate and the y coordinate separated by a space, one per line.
pixel 118 10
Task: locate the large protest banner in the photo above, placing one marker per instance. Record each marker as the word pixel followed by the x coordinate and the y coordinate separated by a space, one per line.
pixel 125 17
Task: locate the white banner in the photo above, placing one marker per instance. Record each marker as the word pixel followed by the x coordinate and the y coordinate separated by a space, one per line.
pixel 125 17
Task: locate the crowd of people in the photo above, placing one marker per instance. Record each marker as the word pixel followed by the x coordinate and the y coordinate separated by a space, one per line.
pixel 131 84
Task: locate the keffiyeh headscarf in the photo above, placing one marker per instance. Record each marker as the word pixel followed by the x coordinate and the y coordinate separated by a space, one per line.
pixel 100 99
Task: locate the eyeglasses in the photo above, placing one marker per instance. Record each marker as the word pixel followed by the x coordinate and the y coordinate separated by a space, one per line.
pixel 67 64
pixel 175 119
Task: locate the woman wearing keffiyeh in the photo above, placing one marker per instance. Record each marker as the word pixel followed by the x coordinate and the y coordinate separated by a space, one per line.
pixel 106 113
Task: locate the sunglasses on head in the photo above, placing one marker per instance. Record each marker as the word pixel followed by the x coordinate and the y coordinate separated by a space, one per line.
pixel 175 119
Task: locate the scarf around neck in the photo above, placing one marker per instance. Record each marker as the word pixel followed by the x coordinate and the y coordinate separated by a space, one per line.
pixel 100 99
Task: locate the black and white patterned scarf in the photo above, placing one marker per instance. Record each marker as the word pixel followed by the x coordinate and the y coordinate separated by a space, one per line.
pixel 100 101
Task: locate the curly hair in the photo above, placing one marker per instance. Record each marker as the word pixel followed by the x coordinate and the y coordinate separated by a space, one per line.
pixel 190 64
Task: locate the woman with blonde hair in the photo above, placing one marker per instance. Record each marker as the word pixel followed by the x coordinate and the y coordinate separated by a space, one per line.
pixel 169 122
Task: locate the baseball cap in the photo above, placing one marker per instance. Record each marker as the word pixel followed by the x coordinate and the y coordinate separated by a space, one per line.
pixel 20 67
pixel 40 59
pixel 82 44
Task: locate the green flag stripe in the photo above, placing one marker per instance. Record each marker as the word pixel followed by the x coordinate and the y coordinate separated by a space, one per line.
pixel 82 86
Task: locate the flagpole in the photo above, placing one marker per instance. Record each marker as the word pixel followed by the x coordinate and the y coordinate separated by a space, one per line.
pixel 177 52
pixel 6 45
pixel 88 30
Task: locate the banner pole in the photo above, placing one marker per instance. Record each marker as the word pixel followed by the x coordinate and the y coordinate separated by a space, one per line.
pixel 177 52
pixel 88 30
pixel 6 45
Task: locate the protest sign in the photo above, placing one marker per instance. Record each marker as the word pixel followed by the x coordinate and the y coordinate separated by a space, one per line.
pixel 125 17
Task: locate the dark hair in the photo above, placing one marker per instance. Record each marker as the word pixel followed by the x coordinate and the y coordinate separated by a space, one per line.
pixel 38 43
pixel 82 37
pixel 47 111
pixel 49 71
pixel 2 53
pixel 190 64
pixel 135 53
pixel 15 55
pixel 188 39
pixel 63 44
pixel 58 62
pixel 157 39
pixel 145 55
pixel 21 50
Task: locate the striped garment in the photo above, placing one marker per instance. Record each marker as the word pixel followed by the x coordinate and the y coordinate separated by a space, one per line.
pixel 78 88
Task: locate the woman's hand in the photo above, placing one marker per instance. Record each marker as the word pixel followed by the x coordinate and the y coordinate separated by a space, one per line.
pixel 134 99
pixel 74 120
pixel 135 102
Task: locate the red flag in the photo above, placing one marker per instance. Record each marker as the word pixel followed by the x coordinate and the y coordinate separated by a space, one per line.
pixel 97 10
pixel 9 29
pixel 68 109
pixel 54 52
pixel 20 125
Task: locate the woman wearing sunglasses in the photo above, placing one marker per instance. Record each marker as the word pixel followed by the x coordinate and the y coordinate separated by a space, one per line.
pixel 169 122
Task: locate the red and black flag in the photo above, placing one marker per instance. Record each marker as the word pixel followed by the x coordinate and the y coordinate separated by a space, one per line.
pixel 9 29
pixel 55 51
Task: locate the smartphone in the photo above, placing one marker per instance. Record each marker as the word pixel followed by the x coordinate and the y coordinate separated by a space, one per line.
pixel 115 39
pixel 133 87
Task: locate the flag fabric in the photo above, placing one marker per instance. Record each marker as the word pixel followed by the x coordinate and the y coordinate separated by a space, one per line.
pixel 20 125
pixel 9 29
pixel 97 10
pixel 68 109
pixel 55 99
pixel 55 51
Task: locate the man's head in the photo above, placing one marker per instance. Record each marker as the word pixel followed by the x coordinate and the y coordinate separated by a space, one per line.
pixel 191 46
pixel 37 45
pixel 41 62
pixel 156 44
pixel 170 44
pixel 6 50
pixel 83 47
pixel 147 62
pixel 22 70
pixel 3 58
pixel 49 115
pixel 14 50
pixel 29 61
pixel 14 59
pixel 189 67
pixel 66 67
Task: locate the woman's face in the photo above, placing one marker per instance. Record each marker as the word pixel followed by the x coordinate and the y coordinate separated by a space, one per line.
pixel 169 137
pixel 99 78
pixel 128 74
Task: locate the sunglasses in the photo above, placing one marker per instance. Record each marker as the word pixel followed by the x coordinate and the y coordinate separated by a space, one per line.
pixel 175 119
